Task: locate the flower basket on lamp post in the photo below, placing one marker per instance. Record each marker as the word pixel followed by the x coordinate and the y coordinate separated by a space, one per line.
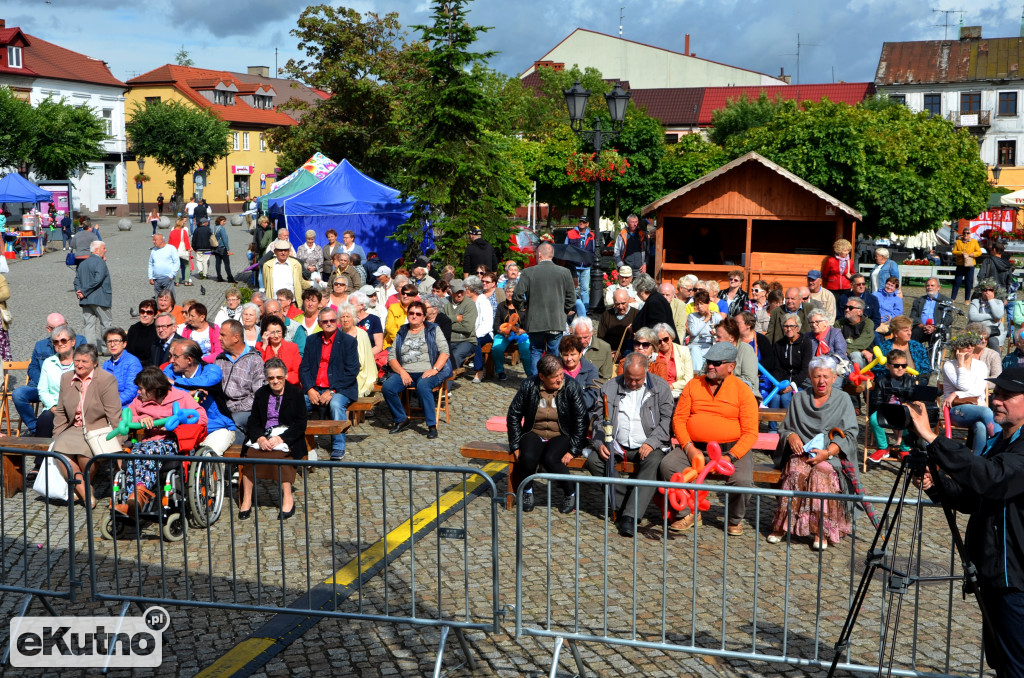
pixel 589 167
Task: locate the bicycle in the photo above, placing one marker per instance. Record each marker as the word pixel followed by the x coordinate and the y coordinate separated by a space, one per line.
pixel 941 336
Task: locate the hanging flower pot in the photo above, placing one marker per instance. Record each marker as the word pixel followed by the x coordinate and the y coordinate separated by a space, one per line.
pixel 590 167
pixel 141 178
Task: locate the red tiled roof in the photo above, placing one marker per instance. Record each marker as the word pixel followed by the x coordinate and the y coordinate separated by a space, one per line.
pixel 937 61
pixel 186 79
pixel 716 98
pixel 673 106
pixel 44 59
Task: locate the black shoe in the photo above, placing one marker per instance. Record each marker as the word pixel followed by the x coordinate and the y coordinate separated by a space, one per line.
pixel 568 503
pixel 244 515
pixel 219 279
pixel 285 515
pixel 625 526
pixel 231 280
pixel 527 502
pixel 431 432
pixel 502 377
pixel 399 426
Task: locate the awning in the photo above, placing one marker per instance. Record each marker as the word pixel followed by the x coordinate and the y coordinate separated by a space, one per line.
pixel 1015 199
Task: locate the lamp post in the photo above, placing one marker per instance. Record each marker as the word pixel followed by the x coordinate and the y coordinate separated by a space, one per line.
pixel 576 99
pixel 142 204
pixel 996 171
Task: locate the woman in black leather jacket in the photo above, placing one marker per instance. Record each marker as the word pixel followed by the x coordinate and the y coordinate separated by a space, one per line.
pixel 546 425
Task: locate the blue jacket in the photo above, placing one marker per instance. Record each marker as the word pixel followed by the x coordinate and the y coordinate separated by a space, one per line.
pixel 208 377
pixel 125 370
pixel 342 366
pixel 429 330
pixel 889 305
pixel 890 269
pixel 93 281
pixel 40 352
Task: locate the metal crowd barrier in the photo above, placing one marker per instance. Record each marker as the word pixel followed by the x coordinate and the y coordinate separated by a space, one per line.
pixel 705 592
pixel 37 545
pixel 322 561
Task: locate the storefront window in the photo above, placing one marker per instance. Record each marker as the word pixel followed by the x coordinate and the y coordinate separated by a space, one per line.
pixel 241 186
pixel 110 180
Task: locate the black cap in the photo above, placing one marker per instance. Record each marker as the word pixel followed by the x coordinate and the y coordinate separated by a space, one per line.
pixel 422 262
pixel 475 231
pixel 584 219
pixel 1011 380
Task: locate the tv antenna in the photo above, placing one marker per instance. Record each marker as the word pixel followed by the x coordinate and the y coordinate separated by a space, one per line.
pixel 799 48
pixel 622 15
pixel 945 24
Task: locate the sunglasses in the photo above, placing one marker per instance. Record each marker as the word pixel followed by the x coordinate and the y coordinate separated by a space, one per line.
pixel 851 308
pixel 414 314
pixel 714 363
pixel 642 344
pixel 898 366
pixel 147 312
pixel 735 280
pixel 805 298
pixel 666 340
pixel 68 341
pixel 790 327
pixel 328 321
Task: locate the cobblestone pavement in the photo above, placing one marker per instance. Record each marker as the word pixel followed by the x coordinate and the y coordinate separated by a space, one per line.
pixel 339 515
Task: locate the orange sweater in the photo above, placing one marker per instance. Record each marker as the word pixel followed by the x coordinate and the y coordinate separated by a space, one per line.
pixel 729 416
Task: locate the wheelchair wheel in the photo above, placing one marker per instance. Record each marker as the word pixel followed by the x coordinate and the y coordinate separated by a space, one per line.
pixel 111 529
pixel 205 491
pixel 173 528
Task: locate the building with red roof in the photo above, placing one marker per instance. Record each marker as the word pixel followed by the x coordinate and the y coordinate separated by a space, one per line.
pixel 248 102
pixel 35 70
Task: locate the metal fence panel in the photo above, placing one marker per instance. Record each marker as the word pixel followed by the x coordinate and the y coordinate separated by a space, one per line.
pixel 737 597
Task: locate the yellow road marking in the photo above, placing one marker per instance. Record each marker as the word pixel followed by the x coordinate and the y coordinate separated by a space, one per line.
pixel 237 657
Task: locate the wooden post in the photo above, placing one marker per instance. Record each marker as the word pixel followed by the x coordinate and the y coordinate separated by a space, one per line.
pixel 746 256
pixel 659 245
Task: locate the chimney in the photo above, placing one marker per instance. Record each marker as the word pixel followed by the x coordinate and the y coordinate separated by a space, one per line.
pixel 686 49
pixel 3 23
pixel 262 71
pixel 970 32
pixel 788 79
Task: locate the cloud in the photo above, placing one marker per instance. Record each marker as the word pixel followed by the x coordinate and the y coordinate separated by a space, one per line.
pixel 226 19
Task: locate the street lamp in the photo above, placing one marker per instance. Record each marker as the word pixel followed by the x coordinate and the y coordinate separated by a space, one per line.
pixel 142 204
pixel 996 171
pixel 576 101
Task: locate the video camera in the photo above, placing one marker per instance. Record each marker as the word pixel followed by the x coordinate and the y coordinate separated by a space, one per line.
pixel 896 417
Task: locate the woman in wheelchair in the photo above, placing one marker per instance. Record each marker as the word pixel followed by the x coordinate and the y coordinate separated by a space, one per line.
pixel 156 400
pixel 276 430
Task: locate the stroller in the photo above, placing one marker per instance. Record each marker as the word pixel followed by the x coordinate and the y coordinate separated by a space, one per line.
pixel 188 490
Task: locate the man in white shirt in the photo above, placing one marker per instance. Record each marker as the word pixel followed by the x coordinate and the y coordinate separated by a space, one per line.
pixel 163 264
pixel 640 410
pixel 822 296
pixel 282 272
pixel 623 282
pixel 385 288
pixel 190 210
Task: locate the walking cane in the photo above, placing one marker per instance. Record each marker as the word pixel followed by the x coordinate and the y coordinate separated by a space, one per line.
pixel 618 349
pixel 609 464
pixel 850 471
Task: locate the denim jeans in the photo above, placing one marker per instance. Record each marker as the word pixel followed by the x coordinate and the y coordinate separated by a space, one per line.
pixel 161 284
pixel 584 276
pixel 500 345
pixel 541 342
pixel 425 386
pixel 977 418
pixel 338 408
pixel 23 398
pixel 779 400
pixel 963 275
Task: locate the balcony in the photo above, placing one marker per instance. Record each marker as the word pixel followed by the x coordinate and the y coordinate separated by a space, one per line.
pixel 974 119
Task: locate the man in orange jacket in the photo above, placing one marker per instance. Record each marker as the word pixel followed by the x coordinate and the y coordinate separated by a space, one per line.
pixel 716 407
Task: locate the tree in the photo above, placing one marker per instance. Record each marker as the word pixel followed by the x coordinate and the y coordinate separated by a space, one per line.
pixel 905 172
pixel 456 168
pixel 689 159
pixel 359 60
pixel 179 136
pixel 67 138
pixel 183 59
pixel 740 115
pixel 18 130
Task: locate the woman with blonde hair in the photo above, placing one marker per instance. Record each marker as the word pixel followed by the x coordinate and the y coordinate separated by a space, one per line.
pixel 838 269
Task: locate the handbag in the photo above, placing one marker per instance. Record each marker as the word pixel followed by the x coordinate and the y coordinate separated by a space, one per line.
pixel 214 243
pixel 969 260
pixel 98 443
pixel 182 250
pixel 69 260
pixel 49 482
pixel 6 316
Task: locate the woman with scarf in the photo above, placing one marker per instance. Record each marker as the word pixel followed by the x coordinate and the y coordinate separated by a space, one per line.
pixel 821 340
pixel 838 269
pixel 817 436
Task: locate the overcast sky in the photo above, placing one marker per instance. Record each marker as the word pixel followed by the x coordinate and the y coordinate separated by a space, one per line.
pixel 841 39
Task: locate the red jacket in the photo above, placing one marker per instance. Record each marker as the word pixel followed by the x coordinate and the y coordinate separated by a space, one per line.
pixel 832 279
pixel 289 353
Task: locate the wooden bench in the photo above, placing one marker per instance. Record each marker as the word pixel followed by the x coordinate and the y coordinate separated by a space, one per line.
pixel 358 410
pixel 764 473
pixel 7 395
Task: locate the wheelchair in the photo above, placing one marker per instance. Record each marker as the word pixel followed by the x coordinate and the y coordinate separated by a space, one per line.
pixel 191 490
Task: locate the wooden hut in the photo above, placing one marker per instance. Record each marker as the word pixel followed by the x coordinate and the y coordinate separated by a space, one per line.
pixel 759 216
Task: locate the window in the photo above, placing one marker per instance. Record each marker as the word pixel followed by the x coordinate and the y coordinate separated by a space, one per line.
pixel 933 104
pixel 245 141
pixel 671 138
pixel 110 181
pixel 234 141
pixel 241 186
pixel 263 143
pixel 970 102
pixel 152 100
pixel 1007 152
pixel 263 101
pixel 14 57
pixel 223 98
pixel 899 99
pixel 108 120
pixel 1007 103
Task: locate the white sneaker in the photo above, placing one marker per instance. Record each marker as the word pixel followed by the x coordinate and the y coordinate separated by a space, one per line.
pixel 312 455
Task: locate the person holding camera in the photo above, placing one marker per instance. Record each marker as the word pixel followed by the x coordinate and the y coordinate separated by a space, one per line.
pixel 965 391
pixel 990 488
pixel 988 310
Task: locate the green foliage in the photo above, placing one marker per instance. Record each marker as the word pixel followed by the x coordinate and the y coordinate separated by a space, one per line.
pixel 360 60
pixel 642 141
pixel 732 122
pixel 460 172
pixel 690 159
pixel 67 139
pixel 183 59
pixel 179 136
pixel 904 172
pixel 17 131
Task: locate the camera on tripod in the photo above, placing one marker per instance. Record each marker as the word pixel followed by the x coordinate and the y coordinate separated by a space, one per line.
pixel 896 416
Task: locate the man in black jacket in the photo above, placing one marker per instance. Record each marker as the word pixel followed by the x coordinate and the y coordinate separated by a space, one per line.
pixel 479 252
pixel 930 312
pixel 201 245
pixel 989 487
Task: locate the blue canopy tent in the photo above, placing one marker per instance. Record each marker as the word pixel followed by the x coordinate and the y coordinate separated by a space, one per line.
pixel 15 188
pixel 346 199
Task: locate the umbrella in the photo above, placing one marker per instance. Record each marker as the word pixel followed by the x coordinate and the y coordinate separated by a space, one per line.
pixel 573 255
